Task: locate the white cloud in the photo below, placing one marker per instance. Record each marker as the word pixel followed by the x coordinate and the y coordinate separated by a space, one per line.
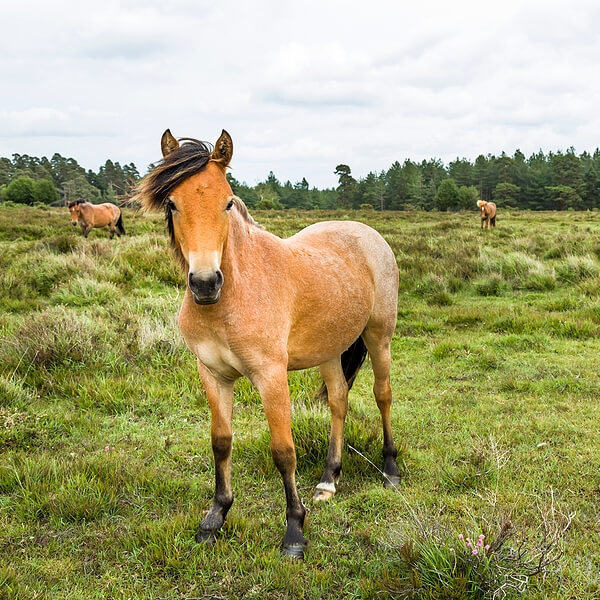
pixel 300 86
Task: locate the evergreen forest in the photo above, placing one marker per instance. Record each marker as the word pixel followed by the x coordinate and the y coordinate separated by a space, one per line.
pixel 544 181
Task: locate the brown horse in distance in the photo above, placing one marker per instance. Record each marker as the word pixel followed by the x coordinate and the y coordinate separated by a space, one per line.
pixel 488 213
pixel 259 306
pixel 96 215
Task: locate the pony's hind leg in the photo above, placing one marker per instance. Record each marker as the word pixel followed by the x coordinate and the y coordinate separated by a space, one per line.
pixel 379 350
pixel 220 398
pixel 337 396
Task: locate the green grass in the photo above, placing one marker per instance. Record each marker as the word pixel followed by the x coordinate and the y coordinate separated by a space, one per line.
pixel 106 467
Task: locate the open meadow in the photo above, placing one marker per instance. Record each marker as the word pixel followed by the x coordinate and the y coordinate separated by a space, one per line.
pixel 105 459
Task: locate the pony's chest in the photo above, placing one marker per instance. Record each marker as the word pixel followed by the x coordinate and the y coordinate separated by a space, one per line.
pixel 218 357
pixel 211 348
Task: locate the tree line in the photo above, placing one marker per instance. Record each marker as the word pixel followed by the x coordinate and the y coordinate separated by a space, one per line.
pixel 28 180
pixel 553 181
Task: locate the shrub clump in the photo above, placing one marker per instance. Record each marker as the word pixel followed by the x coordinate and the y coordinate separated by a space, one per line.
pixel 485 567
pixel 53 337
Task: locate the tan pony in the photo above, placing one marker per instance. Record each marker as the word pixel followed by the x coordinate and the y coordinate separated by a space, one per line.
pixel 96 215
pixel 488 213
pixel 259 306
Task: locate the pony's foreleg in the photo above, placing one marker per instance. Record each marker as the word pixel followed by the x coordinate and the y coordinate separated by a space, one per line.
pixel 337 396
pixel 273 388
pixel 86 230
pixel 379 350
pixel 220 399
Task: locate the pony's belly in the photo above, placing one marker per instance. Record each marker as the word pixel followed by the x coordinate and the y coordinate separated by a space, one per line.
pixel 305 351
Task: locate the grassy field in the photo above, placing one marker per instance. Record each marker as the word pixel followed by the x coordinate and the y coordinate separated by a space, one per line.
pixel 106 467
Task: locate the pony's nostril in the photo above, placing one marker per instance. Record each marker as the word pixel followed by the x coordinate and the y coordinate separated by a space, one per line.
pixel 207 286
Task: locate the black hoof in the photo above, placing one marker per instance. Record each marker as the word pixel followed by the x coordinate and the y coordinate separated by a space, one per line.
pixel 205 536
pixel 295 551
pixel 391 481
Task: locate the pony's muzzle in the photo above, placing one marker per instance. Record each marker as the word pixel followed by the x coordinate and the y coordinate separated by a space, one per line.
pixel 206 289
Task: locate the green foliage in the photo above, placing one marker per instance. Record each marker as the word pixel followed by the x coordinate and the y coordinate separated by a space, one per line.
pixel 20 191
pixel 448 196
pixel 346 187
pixel 268 202
pixel 468 196
pixel 550 181
pixel 506 194
pixel 44 192
pixel 564 197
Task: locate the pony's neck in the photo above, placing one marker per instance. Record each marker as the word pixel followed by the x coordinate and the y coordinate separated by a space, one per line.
pixel 238 245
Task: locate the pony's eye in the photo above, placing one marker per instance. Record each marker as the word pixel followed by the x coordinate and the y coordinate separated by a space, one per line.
pixel 171 206
pixel 229 205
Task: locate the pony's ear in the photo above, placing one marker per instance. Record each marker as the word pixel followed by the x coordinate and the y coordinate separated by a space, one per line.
pixel 168 143
pixel 223 149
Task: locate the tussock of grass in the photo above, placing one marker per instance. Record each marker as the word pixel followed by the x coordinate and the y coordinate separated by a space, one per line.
pixel 14 392
pixel 517 269
pixel 589 287
pixel 56 337
pixel 62 243
pixel 577 268
pixel 493 285
pixel 83 291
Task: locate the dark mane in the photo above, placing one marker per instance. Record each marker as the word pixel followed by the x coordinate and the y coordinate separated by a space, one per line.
pixel 183 162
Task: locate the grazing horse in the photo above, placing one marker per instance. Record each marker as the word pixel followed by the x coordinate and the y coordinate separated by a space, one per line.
pixel 96 215
pixel 488 213
pixel 258 306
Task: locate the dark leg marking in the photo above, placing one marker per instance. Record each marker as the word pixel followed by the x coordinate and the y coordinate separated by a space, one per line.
pixel 294 542
pixel 223 498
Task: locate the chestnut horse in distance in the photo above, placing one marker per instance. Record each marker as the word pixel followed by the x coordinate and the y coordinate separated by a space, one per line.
pixel 259 306
pixel 96 215
pixel 488 213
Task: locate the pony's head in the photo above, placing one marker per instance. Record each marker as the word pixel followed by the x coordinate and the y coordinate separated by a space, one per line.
pixel 481 204
pixel 75 210
pixel 190 186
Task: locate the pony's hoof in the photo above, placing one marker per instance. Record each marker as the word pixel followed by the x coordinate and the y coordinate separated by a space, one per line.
pixel 294 551
pixel 205 536
pixel 391 481
pixel 323 495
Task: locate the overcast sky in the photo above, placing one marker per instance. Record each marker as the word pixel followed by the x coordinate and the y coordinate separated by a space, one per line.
pixel 300 86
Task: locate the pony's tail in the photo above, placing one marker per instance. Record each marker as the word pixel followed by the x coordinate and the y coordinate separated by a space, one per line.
pixel 352 360
pixel 119 225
